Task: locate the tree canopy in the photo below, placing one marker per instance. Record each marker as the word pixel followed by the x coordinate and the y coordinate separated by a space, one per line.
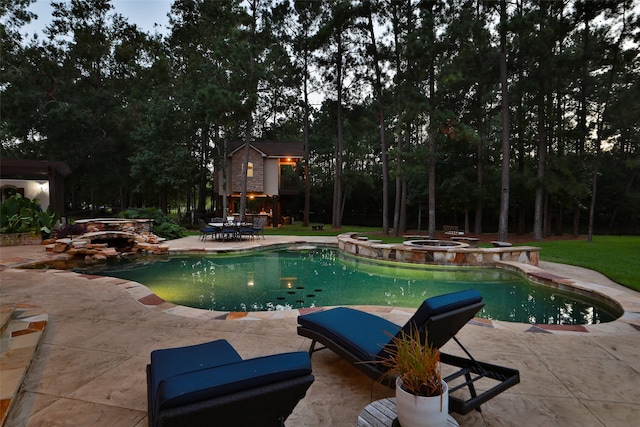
pixel 415 113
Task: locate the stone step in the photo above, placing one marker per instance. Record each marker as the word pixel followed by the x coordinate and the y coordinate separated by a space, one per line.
pixel 6 311
pixel 22 329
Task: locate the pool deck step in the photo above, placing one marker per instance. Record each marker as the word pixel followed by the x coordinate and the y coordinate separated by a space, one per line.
pixel 21 328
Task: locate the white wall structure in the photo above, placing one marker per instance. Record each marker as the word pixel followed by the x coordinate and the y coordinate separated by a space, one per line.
pixel 32 189
pixel 35 179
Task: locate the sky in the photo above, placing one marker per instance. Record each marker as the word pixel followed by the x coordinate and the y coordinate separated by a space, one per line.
pixel 143 13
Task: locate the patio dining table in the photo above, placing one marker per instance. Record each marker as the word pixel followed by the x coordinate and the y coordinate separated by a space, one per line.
pixel 234 230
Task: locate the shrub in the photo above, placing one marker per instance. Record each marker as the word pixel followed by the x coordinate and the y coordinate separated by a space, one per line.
pixel 68 230
pixel 163 226
pixel 169 230
pixel 22 215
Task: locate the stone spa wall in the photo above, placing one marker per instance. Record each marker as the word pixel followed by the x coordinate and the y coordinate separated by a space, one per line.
pixel 459 255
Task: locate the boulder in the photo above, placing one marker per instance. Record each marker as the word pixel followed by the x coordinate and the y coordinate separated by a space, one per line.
pixel 99 257
pixel 59 247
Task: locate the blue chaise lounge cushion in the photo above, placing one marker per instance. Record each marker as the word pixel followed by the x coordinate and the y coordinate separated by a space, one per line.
pixel 362 334
pixel 230 378
pixel 169 362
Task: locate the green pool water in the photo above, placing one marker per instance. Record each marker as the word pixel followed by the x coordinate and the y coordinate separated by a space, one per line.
pixel 289 279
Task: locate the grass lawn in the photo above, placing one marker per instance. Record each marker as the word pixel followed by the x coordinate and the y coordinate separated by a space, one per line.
pixel 617 257
pixel 297 229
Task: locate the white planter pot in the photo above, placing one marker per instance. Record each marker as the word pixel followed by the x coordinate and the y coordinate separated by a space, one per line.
pixel 420 411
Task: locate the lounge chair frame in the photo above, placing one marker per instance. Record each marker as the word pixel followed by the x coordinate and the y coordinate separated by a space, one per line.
pixel 440 328
pixel 257 406
pixel 209 384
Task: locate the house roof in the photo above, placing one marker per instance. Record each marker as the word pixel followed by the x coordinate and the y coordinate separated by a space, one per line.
pixel 34 169
pixel 273 149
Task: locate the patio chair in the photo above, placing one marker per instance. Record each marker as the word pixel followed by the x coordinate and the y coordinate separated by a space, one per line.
pixel 206 230
pixel 209 384
pixel 246 230
pixel 365 339
pixel 229 232
pixel 258 226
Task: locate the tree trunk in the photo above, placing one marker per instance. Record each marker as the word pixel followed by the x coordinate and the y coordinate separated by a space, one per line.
pixel 594 187
pixel 582 112
pixel 466 220
pixel 396 205
pixel 336 221
pixel 399 208
pixel 223 173
pixel 432 136
pixel 432 185
pixel 542 158
pixel 202 182
pixel 520 121
pixel 402 227
pixel 546 216
pixel 479 168
pixel 400 124
pixel 503 221
pixel 576 221
pixel 250 107
pixel 188 209
pixel 245 163
pixel 383 144
pixel 307 190
pixel 480 177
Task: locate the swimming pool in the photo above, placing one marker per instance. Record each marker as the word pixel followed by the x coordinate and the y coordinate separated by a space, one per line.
pixel 295 278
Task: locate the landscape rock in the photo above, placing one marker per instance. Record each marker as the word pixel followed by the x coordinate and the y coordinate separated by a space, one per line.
pixel 99 244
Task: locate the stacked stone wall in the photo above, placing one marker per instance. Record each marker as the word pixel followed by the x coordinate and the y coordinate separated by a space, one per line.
pixel 19 239
pixel 255 184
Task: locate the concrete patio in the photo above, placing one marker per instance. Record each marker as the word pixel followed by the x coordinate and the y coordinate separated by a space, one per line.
pixel 89 369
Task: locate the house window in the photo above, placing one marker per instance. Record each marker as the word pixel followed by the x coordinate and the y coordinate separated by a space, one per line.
pixel 250 170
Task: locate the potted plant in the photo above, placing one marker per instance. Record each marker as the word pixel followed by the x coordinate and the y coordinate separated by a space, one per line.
pixel 422 397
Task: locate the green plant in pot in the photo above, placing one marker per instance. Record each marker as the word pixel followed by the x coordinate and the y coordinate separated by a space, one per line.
pixel 422 397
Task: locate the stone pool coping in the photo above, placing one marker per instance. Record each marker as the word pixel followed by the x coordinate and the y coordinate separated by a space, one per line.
pixel 627 299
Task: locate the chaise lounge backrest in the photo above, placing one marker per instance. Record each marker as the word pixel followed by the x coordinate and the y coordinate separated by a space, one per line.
pixel 439 318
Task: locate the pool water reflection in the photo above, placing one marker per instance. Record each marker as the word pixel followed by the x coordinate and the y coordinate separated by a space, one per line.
pixel 289 279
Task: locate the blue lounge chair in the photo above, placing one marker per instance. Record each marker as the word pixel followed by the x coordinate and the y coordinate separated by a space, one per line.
pixel 209 384
pixel 364 339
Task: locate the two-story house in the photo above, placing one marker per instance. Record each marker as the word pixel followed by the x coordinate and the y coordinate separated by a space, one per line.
pixel 273 182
